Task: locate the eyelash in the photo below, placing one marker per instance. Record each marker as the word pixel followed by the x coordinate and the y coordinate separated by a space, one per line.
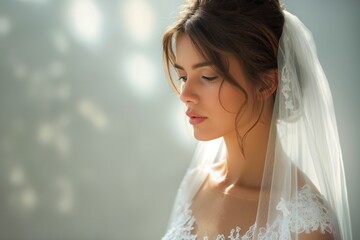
pixel 184 78
pixel 210 78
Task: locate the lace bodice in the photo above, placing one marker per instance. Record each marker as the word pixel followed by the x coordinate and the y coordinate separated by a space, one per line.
pixel 303 214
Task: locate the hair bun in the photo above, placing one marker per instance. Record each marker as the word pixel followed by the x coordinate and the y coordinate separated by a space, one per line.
pixel 261 1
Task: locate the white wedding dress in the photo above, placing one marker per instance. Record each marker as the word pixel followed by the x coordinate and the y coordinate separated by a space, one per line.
pixel 304 214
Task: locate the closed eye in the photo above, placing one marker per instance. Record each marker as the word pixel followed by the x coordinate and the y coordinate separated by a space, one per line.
pixel 182 78
pixel 210 78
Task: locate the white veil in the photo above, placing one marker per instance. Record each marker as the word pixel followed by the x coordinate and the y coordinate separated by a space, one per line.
pixel 303 139
pixel 303 133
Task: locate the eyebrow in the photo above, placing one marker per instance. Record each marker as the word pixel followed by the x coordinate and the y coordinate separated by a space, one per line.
pixel 198 65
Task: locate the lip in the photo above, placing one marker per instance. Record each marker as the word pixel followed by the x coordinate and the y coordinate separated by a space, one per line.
pixel 195 118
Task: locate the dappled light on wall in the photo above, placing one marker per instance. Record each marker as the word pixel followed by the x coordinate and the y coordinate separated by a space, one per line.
pixel 5 25
pixel 86 21
pixel 139 19
pixel 55 134
pixel 140 74
pixel 93 114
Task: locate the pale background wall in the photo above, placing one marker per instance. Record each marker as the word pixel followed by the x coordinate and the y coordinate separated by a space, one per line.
pixel 92 140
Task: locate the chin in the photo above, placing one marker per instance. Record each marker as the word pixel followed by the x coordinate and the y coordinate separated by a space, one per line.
pixel 205 136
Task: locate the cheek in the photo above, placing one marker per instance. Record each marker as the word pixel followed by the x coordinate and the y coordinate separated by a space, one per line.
pixel 231 98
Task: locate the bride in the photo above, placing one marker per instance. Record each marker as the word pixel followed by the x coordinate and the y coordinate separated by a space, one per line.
pixel 268 165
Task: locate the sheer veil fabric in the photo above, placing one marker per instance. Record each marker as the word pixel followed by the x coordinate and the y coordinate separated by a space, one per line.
pixel 303 149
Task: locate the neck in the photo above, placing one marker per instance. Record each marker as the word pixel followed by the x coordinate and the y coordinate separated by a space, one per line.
pixel 245 168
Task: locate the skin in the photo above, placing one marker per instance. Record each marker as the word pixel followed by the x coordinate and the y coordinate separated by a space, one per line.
pixel 220 101
pixel 232 187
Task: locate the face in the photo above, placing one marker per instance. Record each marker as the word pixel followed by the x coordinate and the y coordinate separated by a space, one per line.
pixel 212 103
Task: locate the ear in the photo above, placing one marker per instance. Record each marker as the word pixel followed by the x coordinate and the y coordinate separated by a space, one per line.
pixel 269 84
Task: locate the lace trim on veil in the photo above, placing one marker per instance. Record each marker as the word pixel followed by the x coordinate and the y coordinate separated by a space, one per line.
pixel 303 214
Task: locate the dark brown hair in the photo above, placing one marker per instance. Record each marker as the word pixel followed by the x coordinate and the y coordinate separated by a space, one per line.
pixel 249 30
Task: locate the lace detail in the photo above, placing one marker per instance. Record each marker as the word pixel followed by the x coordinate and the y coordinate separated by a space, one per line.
pixel 286 90
pixel 289 98
pixel 303 214
pixel 235 234
pixel 183 226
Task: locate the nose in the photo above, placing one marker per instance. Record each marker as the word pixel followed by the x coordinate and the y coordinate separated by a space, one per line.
pixel 189 93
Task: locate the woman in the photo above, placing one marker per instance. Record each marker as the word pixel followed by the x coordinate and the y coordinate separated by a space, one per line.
pixel 269 165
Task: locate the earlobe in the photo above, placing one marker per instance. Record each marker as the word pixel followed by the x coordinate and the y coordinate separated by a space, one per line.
pixel 269 83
